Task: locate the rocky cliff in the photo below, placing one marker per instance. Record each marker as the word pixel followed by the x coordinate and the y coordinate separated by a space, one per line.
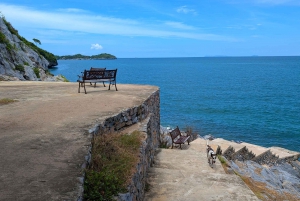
pixel 22 60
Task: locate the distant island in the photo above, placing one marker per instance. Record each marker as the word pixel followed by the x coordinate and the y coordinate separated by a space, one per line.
pixel 83 57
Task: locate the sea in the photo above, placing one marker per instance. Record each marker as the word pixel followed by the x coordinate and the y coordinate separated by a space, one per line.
pixel 248 99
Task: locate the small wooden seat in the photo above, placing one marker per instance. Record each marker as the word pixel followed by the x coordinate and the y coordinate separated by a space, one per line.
pixel 178 138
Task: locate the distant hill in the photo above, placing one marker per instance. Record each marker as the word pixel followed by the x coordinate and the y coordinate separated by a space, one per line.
pixel 83 57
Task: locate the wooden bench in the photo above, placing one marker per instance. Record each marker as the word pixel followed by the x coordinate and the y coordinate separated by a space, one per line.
pixel 178 138
pixel 93 76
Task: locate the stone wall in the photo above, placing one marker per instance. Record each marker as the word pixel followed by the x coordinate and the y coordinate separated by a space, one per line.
pixel 130 116
pixel 148 114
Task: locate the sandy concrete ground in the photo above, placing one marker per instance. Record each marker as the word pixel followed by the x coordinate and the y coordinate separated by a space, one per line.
pixel 43 136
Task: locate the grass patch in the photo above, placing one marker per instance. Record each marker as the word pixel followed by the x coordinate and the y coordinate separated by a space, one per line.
pixel 114 160
pixel 5 101
pixel 224 164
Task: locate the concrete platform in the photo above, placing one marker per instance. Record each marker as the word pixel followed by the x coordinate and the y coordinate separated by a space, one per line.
pixel 43 136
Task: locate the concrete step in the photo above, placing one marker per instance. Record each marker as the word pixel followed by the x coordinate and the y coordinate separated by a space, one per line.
pixel 185 175
pixel 257 150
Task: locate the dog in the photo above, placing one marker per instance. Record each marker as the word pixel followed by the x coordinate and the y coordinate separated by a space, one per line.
pixel 211 156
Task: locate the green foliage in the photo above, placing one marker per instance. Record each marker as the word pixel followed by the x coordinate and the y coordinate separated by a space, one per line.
pixel 20 68
pixel 48 73
pixel 49 56
pixel 5 101
pixel 37 41
pixel 163 145
pixel 26 63
pixel 221 159
pixel 83 57
pixel 4 40
pixel 100 185
pixel 65 79
pixel 37 72
pixel 114 158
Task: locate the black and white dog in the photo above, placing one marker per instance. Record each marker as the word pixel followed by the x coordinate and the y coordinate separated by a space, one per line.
pixel 211 156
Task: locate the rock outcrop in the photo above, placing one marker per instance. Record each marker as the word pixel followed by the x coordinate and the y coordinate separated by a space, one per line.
pixel 18 61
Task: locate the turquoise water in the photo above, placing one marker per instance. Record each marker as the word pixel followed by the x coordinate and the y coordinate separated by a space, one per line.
pixel 250 99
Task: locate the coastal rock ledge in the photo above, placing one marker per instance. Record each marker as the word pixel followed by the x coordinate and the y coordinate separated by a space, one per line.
pixel 18 61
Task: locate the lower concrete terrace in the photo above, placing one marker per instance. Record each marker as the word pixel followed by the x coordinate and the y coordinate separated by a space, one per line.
pixel 44 134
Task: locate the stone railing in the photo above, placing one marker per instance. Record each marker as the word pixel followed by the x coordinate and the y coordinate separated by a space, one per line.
pixel 148 114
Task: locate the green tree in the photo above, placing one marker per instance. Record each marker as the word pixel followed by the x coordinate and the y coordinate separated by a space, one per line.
pixel 37 41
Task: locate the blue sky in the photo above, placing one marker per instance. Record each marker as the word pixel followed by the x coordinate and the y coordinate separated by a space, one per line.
pixel 132 28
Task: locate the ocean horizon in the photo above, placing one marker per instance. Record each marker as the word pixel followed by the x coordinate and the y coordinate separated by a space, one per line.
pixel 253 99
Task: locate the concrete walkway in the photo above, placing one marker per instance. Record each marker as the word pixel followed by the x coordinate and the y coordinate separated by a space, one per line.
pixel 185 175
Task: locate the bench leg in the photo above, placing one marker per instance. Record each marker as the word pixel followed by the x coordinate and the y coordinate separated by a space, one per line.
pixel 79 87
pixel 104 84
pixel 84 87
pixel 116 86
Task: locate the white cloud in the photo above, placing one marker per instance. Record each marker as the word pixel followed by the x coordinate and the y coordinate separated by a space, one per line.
pixel 96 24
pixel 72 10
pixel 186 10
pixel 275 1
pixel 179 25
pixel 96 46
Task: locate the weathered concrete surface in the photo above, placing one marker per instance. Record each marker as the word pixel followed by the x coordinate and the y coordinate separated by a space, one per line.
pixel 185 175
pixel 43 136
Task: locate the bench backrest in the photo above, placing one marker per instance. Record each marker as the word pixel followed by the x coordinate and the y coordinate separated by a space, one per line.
pixel 97 69
pixel 110 74
pixel 99 74
pixel 174 133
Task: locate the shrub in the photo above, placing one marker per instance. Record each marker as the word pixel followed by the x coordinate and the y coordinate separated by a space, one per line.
pixel 65 79
pixel 36 70
pixel 5 41
pixel 20 68
pixel 114 158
